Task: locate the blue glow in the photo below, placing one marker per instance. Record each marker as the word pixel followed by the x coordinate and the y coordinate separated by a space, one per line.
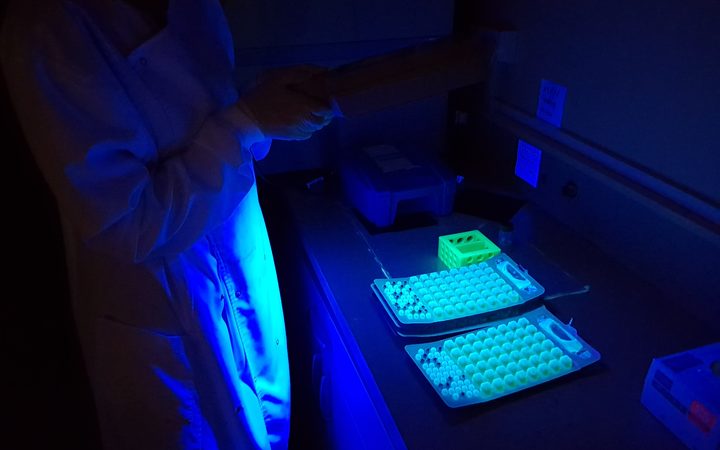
pixel 527 166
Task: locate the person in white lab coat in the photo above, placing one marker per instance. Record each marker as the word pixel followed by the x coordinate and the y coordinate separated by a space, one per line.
pixel 148 148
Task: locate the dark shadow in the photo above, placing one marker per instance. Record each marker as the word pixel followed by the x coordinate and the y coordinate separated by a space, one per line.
pixel 487 205
pixel 50 400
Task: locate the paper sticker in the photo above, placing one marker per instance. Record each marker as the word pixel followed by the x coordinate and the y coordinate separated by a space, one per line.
pixel 389 158
pixel 527 166
pixel 551 102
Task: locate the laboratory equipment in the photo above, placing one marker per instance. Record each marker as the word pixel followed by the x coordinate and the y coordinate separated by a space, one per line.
pixel 501 359
pixel 380 180
pixel 683 392
pixel 448 300
pixel 462 249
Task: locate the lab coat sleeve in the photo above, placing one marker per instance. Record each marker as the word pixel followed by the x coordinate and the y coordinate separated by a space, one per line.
pixel 99 156
pixel 241 118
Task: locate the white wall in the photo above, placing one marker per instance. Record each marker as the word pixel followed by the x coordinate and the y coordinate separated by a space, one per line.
pixel 643 78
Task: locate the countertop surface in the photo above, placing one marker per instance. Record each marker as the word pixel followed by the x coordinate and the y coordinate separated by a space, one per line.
pixel 621 315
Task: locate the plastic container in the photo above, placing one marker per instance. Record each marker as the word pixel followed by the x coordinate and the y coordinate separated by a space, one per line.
pixel 380 181
pixel 462 249
pixel 683 392
pixel 501 359
pixel 450 300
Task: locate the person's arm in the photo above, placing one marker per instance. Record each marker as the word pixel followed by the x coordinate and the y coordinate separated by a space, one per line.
pixel 100 158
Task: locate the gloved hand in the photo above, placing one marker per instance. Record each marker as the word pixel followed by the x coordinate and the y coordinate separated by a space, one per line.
pixel 283 113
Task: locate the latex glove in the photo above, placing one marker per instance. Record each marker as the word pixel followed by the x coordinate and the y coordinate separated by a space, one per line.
pixel 283 113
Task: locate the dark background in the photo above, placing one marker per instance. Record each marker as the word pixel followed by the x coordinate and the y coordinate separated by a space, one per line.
pixel 50 403
pixel 642 82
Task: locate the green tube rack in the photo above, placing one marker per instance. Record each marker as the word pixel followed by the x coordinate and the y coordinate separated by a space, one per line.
pixel 463 249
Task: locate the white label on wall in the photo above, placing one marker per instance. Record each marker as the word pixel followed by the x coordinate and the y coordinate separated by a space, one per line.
pixel 527 166
pixel 551 102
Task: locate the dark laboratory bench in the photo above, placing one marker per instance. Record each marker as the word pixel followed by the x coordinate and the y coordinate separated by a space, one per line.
pixel 371 395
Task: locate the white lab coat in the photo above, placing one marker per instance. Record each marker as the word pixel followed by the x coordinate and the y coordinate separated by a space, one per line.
pixel 173 282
